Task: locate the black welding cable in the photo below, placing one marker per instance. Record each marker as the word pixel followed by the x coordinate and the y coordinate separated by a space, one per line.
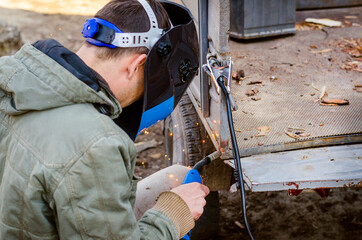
pixel 237 163
pixel 203 162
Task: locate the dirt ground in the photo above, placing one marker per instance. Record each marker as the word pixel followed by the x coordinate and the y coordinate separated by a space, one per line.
pixel 272 215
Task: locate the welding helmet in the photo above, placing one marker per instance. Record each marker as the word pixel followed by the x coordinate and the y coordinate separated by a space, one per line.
pixel 171 63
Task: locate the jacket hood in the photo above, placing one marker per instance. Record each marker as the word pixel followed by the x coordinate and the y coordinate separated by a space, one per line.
pixel 32 81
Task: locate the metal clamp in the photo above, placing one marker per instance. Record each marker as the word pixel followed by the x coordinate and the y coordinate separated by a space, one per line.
pixel 215 69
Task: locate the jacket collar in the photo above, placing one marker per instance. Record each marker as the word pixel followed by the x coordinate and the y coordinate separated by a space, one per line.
pixel 71 62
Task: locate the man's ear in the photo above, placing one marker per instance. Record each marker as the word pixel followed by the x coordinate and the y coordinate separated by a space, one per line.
pixel 136 62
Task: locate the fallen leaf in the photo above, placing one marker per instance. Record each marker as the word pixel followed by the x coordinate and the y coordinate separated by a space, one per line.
pixel 292 135
pixel 251 92
pixel 335 101
pixel 328 104
pixel 323 93
pixel 322 51
pixel 324 21
pixel 304 134
pixel 358 88
pixel 263 130
pixel 296 132
pixel 352 46
pixel 273 68
pixel 273 78
pixel 354 65
pixel 239 75
pixel 235 76
pixel 254 82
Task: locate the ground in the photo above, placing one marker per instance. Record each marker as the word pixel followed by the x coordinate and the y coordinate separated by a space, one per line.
pixel 272 215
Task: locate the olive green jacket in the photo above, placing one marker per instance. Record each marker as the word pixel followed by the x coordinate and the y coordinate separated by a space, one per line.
pixel 66 170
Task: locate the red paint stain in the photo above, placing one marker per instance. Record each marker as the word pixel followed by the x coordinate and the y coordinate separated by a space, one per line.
pixel 323 192
pixel 293 184
pixel 294 192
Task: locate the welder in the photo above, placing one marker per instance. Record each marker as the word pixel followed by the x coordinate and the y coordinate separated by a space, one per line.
pixel 68 122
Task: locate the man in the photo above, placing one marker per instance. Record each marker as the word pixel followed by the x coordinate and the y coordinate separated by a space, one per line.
pixel 66 168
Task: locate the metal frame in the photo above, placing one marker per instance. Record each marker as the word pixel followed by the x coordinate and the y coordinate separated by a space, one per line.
pixel 211 109
pixel 204 46
pixel 209 105
pixel 324 167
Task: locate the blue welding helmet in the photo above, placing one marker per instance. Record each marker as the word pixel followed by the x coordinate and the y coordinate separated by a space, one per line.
pixel 171 64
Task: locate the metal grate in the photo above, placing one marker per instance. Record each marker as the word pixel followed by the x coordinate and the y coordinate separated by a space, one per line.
pixel 286 104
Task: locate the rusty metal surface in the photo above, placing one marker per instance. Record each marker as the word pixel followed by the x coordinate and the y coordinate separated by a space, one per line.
pixel 328 167
pixel 307 143
pixel 210 106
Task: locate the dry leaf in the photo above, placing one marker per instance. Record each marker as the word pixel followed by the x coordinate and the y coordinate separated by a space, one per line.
pixel 357 88
pixel 354 65
pixel 254 82
pixel 323 93
pixel 335 101
pixel 239 75
pixel 251 92
pixel 291 134
pixel 235 76
pixel 263 130
pixel 322 51
pixel 273 78
pixel 324 21
pixel 296 132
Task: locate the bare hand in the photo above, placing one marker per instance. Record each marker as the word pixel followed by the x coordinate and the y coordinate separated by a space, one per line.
pixel 194 195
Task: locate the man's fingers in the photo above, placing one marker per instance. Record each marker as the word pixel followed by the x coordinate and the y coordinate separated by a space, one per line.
pixel 205 189
pixel 194 195
pixel 198 214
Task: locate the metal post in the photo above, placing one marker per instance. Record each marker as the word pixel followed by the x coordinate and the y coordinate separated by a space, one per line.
pixel 203 40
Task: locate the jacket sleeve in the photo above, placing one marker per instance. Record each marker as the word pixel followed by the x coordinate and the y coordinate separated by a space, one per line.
pixel 95 198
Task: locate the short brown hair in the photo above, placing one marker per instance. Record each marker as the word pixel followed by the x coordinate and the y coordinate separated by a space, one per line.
pixel 130 16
